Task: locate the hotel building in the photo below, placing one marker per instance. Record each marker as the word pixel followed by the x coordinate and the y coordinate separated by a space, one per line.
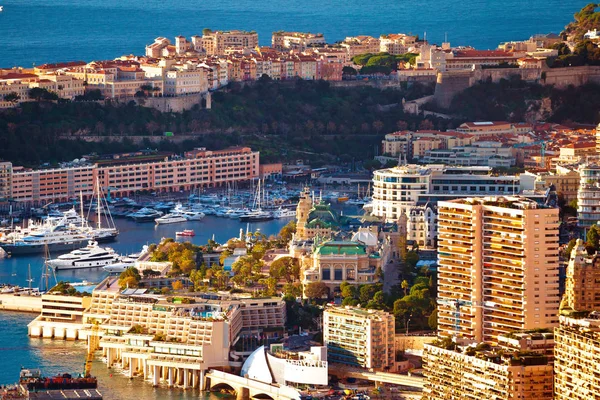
pixel 360 338
pixel 124 176
pixel 163 339
pixel 455 372
pixel 577 357
pixel 497 267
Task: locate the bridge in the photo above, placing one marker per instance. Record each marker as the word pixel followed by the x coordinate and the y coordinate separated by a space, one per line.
pixel 249 388
pixel 414 382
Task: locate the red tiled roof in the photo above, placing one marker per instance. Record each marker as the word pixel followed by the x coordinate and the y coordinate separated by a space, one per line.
pixel 16 75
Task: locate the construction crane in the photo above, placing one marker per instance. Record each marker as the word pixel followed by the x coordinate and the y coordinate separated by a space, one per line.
pixel 458 304
pixel 93 341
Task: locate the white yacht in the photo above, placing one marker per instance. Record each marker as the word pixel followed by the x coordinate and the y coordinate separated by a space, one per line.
pixel 120 265
pixel 57 238
pixel 171 219
pixel 284 213
pixel 146 215
pixel 91 256
pixel 193 215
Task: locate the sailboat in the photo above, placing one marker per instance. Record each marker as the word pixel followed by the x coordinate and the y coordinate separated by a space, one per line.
pixel 46 270
pixel 110 232
pixel 257 214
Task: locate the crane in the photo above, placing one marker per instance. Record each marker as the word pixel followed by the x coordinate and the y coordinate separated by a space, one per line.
pixel 93 340
pixel 458 304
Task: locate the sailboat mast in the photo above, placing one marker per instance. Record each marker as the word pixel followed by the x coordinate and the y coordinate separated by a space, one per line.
pixel 81 208
pixel 99 203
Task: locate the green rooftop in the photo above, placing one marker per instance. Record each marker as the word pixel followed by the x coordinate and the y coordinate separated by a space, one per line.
pixel 341 248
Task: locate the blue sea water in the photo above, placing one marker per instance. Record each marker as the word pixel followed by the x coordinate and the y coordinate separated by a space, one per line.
pixel 39 31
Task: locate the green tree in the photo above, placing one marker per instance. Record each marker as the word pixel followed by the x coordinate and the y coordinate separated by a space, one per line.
pixel 39 94
pixel 12 97
pixel 129 278
pixel 432 320
pixel 405 286
pixel 348 290
pixel 287 268
pixel 285 234
pixel 316 290
pixel 593 238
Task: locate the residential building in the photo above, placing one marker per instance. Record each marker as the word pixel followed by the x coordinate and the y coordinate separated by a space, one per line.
pixel 358 45
pixel 126 175
pixel 270 171
pixel 5 181
pixel 588 196
pixel 185 80
pixel 493 154
pixel 582 291
pixel 481 371
pixel 396 190
pixel 359 337
pixel 497 267
pixel 565 181
pixel 299 41
pixel 492 128
pixel 220 42
pixel 409 144
pixel 396 43
pixel 19 83
pixel 577 356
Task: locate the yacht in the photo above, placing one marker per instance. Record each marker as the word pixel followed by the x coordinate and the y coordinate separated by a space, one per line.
pixel 284 213
pixel 58 238
pixel 120 265
pixel 91 256
pixel 146 215
pixel 257 216
pixel 193 215
pixel 171 219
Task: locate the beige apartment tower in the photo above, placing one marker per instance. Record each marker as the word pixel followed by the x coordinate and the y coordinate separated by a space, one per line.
pixel 498 267
pixel 360 338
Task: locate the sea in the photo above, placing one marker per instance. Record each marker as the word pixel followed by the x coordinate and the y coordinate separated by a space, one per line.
pixel 33 32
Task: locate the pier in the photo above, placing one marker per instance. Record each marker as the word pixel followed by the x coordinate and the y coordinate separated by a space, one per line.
pixel 20 302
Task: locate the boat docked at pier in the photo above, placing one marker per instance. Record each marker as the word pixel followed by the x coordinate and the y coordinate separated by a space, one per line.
pixel 58 238
pixel 146 215
pixel 171 218
pixel 91 256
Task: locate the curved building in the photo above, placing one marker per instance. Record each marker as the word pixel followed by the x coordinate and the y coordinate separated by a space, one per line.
pixel 287 368
pixel 588 196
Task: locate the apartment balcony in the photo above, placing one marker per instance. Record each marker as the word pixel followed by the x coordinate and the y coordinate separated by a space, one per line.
pixel 497 250
pixel 502 269
pixel 491 320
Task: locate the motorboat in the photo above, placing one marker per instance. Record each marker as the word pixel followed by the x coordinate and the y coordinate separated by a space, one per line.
pixel 257 216
pixel 121 265
pixel 171 218
pixel 91 256
pixel 146 215
pixel 186 232
pixel 193 215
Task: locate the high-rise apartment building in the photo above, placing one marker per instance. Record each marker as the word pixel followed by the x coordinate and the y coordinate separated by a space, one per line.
pixel 498 267
pixel 359 337
pixel 577 357
pixel 477 372
pixel 582 289
pixel 588 196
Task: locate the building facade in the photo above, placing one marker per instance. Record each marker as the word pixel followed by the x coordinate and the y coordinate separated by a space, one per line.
pixel 485 372
pixel 577 356
pixel 588 196
pixel 123 177
pixel 360 338
pixel 497 267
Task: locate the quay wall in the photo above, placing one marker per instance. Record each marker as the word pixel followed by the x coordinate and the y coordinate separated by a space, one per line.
pixel 22 303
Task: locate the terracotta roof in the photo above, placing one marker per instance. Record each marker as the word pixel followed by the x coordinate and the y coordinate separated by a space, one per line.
pixel 62 65
pixel 482 53
pixel 16 75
